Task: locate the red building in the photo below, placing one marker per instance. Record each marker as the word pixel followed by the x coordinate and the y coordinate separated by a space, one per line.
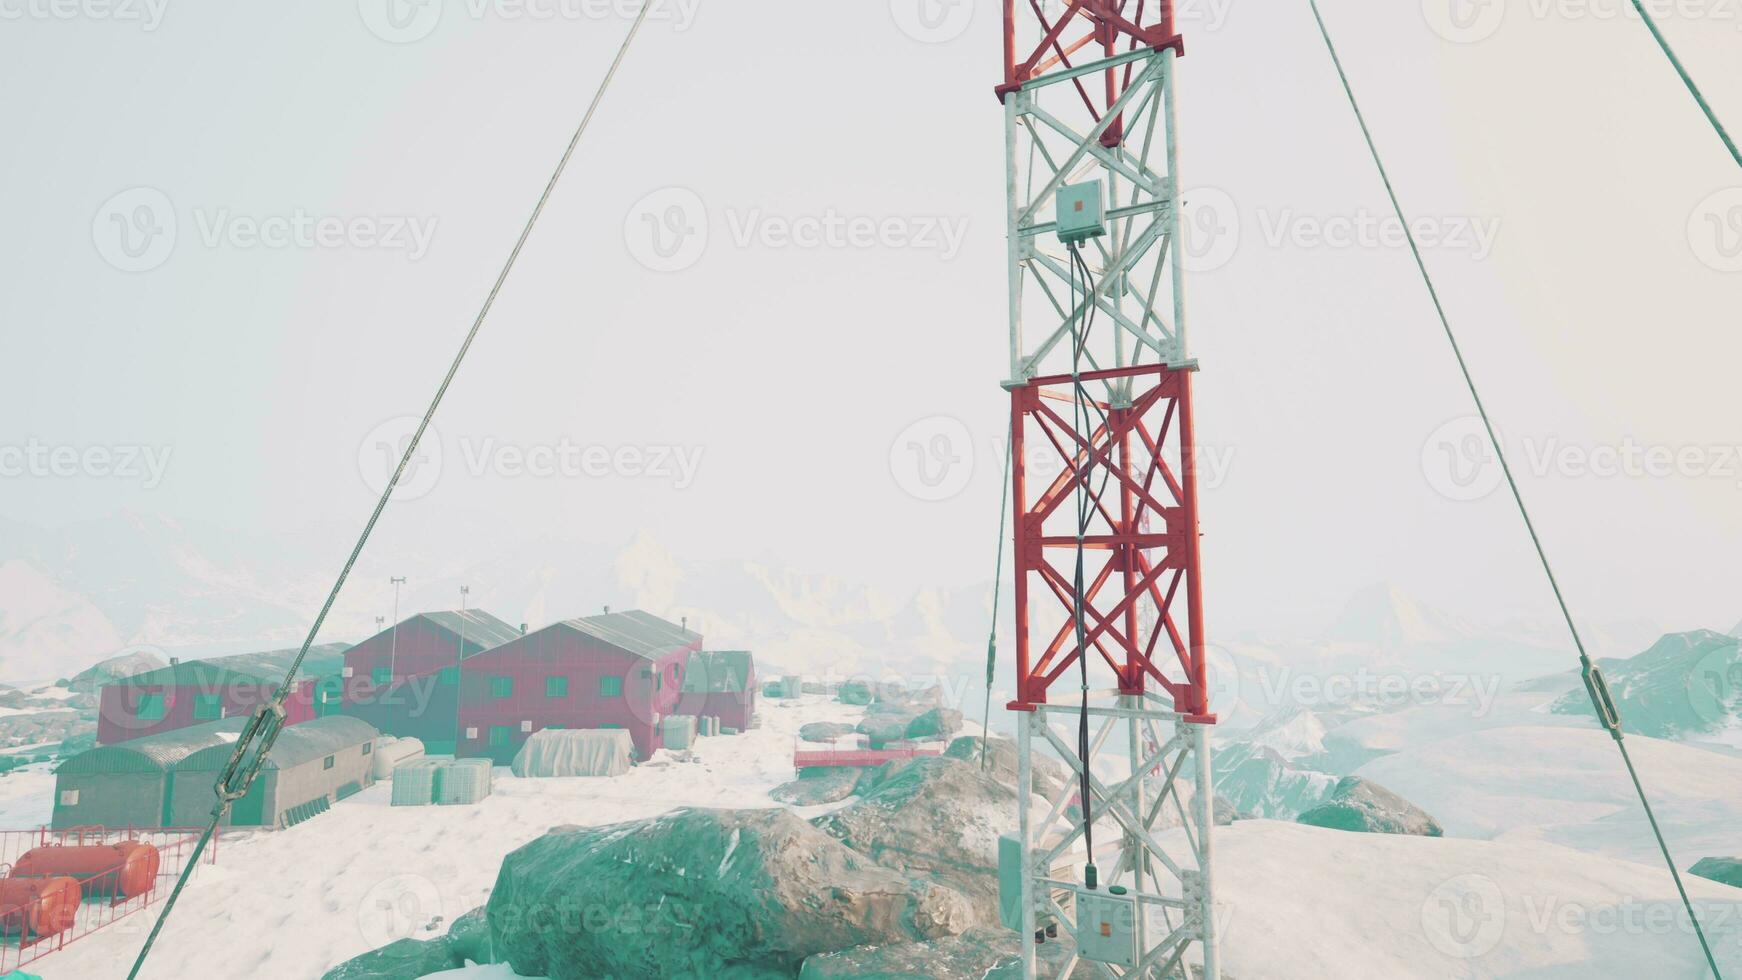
pixel 405 680
pixel 619 670
pixel 722 684
pixel 190 693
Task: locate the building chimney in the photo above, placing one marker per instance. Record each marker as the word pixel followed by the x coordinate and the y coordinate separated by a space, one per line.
pixel 522 629
pixel 607 610
pixel 175 661
pixel 686 622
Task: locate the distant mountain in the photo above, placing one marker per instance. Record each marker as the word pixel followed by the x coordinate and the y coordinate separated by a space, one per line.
pixel 87 681
pixel 1686 685
pixel 1385 616
pixel 1737 631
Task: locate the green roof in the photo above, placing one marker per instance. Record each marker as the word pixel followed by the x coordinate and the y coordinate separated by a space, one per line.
pixel 154 753
pixel 481 630
pixel 195 673
pixel 642 634
pixel 297 744
pixel 718 672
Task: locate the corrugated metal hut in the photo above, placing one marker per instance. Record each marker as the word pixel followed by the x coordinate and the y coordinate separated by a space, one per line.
pixel 405 679
pixel 721 684
pixel 128 785
pixel 311 767
pixel 619 670
pixel 190 693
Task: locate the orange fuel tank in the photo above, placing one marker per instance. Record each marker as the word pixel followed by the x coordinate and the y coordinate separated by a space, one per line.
pixel 125 869
pixel 38 906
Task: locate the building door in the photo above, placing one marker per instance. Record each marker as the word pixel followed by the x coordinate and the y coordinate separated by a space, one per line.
pixel 249 811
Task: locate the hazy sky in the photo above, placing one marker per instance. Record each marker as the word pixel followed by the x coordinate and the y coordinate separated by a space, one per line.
pixel 241 240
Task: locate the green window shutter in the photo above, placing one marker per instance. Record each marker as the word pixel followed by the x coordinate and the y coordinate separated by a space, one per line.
pixel 501 735
pixel 556 687
pixel 208 707
pixel 450 676
pixel 150 707
pixel 501 687
pixel 328 762
pixel 611 686
pixel 382 676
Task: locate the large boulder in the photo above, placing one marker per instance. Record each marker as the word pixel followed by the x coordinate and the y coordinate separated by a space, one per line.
pixel 1050 775
pixel 825 731
pixel 406 959
pixel 1362 805
pixel 817 785
pixel 734 894
pixel 979 953
pixel 1726 870
pixel 932 818
pixel 469 937
pixel 936 723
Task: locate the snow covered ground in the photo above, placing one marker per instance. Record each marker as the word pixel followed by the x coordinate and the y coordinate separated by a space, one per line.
pixel 1299 901
pixel 1566 785
pixel 293 904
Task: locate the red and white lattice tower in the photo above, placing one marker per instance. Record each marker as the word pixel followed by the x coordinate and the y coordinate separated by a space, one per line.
pixel 1089 95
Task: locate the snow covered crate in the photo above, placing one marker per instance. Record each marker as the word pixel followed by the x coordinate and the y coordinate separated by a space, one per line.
pixel 414 782
pixel 463 781
pixel 678 731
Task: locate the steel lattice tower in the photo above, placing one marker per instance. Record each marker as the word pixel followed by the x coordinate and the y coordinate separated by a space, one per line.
pixel 1089 94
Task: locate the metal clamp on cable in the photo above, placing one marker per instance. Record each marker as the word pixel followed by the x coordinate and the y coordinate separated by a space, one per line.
pixel 262 730
pixel 1598 688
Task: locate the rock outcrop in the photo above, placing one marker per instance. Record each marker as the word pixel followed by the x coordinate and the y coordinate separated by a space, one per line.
pixel 818 785
pixel 1724 869
pixel 978 954
pixel 933 818
pixel 703 893
pixel 1364 806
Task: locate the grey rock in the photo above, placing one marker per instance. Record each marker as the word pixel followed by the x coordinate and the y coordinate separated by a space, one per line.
pixel 703 893
pixel 469 937
pixel 825 731
pixel 1362 805
pixel 1724 869
pixel 933 818
pixel 936 723
pixel 817 785
pixel 1050 775
pixel 402 960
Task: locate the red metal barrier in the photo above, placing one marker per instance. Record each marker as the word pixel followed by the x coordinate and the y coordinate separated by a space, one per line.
pixel 174 847
pixel 858 757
